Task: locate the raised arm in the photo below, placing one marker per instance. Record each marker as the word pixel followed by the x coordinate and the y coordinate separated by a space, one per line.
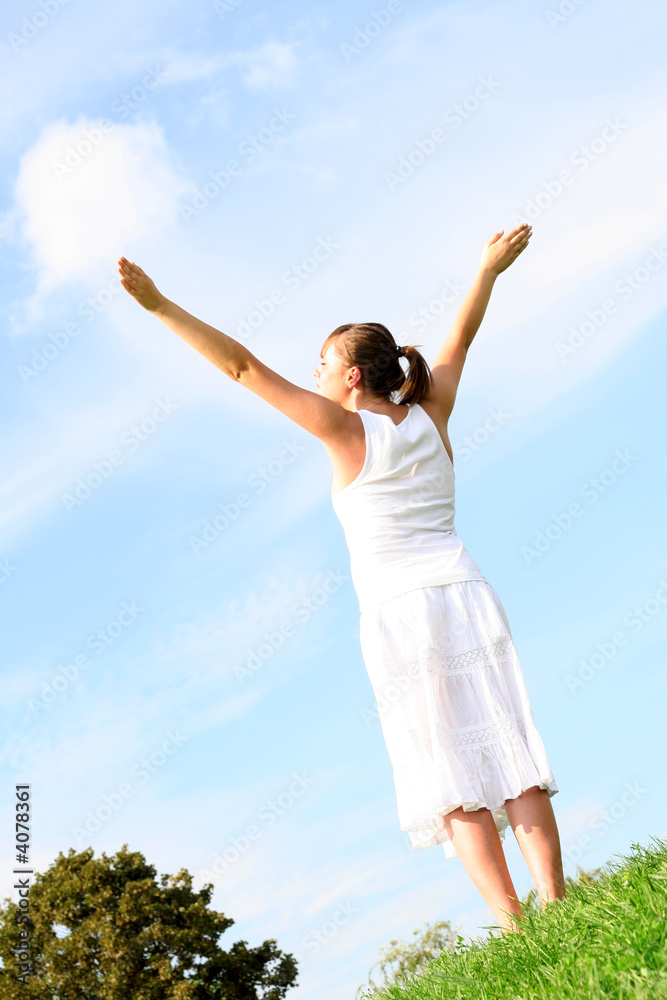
pixel 320 416
pixel 497 255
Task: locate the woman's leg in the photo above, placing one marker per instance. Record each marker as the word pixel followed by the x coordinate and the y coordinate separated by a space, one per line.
pixel 532 819
pixel 477 842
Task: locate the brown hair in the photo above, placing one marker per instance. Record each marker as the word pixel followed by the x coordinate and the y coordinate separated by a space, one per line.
pixel 371 348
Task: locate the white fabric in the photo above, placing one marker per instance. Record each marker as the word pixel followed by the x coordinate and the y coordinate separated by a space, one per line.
pixel 398 514
pixel 453 705
pixel 449 688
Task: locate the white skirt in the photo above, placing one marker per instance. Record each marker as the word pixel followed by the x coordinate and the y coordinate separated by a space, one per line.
pixel 453 705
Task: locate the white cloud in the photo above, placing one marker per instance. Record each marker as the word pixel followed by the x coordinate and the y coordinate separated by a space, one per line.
pixel 215 107
pixel 270 65
pixel 184 67
pixel 82 193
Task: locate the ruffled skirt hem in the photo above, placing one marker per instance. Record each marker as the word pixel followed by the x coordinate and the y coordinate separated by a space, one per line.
pixel 453 706
pixel 432 832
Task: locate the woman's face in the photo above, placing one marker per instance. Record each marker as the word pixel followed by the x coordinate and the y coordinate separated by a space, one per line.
pixel 329 374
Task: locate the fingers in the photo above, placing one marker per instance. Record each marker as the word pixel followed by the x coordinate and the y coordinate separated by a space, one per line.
pixel 132 278
pixel 128 286
pixel 520 237
pixel 128 279
pixel 126 273
pixel 125 268
pixel 129 267
pixel 519 233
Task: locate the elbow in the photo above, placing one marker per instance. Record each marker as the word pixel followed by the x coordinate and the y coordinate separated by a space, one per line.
pixel 239 369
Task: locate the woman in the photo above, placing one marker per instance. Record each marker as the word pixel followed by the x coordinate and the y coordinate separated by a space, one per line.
pixel 467 757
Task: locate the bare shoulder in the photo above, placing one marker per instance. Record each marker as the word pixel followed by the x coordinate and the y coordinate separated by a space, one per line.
pixel 347 450
pixel 341 431
pixel 434 409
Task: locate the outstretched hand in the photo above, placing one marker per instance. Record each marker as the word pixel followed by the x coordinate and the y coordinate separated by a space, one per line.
pixel 139 285
pixel 500 251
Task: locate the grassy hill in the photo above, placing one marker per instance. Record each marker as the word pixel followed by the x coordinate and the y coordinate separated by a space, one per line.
pixel 607 939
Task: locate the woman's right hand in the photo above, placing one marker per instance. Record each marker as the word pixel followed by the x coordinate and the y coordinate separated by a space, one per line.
pixel 139 285
pixel 500 251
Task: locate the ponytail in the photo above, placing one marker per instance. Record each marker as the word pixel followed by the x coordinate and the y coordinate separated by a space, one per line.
pixel 418 379
pixel 371 348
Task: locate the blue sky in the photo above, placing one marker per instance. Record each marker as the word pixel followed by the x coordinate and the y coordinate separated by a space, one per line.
pixel 193 663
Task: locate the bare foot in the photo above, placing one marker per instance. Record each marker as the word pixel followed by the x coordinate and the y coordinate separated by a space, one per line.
pixel 139 285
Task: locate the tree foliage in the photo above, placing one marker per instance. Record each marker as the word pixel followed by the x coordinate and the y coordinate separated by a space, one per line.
pixel 105 929
pixel 400 959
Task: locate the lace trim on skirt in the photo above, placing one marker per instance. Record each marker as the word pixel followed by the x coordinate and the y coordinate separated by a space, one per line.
pixel 440 659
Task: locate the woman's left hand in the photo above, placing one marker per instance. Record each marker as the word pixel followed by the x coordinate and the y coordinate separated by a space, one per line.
pixel 500 251
pixel 139 285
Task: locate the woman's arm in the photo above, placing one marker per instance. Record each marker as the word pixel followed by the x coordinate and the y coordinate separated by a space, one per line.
pixel 326 419
pixel 468 319
pixel 224 352
pixel 497 255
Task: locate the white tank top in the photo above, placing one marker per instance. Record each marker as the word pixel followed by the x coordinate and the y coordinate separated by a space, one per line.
pixel 398 514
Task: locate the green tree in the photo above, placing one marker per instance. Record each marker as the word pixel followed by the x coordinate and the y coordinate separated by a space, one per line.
pixel 401 958
pixel 105 929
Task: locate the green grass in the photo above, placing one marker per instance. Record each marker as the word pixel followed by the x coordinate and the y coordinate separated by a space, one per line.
pixel 607 939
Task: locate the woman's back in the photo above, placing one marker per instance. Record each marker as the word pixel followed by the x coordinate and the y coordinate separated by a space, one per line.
pixel 398 514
